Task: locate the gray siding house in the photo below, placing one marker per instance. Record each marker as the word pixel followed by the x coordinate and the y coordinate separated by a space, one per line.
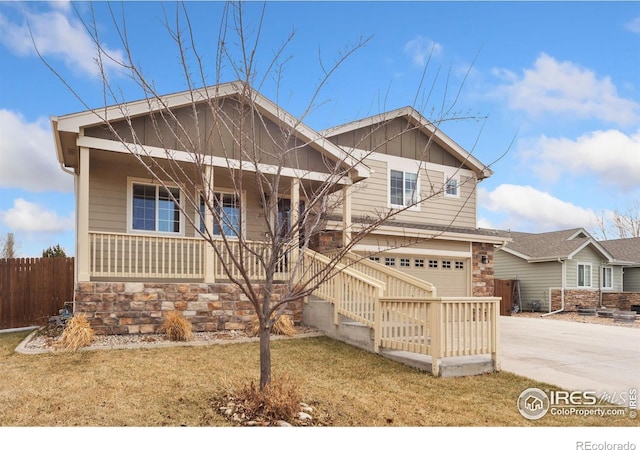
pixel 560 270
pixel 627 250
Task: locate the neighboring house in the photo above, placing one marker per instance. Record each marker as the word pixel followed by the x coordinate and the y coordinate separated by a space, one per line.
pixel 561 270
pixel 627 250
pixel 136 255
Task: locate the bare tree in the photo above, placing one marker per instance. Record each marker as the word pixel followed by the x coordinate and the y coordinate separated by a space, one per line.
pixel 258 157
pixel 8 246
pixel 619 224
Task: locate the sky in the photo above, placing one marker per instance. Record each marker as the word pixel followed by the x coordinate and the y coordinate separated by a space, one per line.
pixel 548 93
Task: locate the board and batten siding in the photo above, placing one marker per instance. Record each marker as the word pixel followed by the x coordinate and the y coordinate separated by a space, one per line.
pixel 535 278
pixel 373 194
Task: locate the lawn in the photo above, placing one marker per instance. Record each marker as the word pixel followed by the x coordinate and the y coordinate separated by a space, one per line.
pixel 174 386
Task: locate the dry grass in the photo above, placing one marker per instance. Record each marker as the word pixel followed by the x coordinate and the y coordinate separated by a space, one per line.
pixel 346 386
pixel 77 334
pixel 176 327
pixel 283 326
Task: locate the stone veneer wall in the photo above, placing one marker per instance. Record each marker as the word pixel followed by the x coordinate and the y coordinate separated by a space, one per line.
pixel 140 308
pixel 482 274
pixel 620 300
pixel 574 299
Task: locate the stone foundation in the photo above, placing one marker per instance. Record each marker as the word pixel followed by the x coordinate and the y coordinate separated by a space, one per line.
pixel 325 241
pixel 574 299
pixel 482 275
pixel 140 308
pixel 620 300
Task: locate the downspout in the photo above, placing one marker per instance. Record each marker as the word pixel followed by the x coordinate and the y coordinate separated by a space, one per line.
pixel 564 282
pixel 75 195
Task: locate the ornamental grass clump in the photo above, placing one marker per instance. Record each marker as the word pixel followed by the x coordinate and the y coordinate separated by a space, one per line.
pixel 279 400
pixel 77 333
pixel 176 327
pixel 283 326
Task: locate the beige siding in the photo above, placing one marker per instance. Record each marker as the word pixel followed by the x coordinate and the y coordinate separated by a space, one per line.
pixel 535 278
pixel 213 133
pixel 397 138
pixel 372 195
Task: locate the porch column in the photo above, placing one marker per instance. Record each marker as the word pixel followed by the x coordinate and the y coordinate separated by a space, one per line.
pixel 346 215
pixel 83 249
pixel 209 254
pixel 295 214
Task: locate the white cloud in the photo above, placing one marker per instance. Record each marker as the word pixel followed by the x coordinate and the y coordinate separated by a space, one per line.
pixel 28 156
pixel 562 87
pixel 611 156
pixel 532 210
pixel 420 49
pixel 32 217
pixel 634 25
pixel 55 34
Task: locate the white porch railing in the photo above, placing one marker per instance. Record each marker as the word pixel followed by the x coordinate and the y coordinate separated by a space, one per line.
pixel 138 256
pixel 121 255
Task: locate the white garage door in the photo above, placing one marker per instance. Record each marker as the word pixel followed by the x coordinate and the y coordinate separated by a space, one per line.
pixel 449 275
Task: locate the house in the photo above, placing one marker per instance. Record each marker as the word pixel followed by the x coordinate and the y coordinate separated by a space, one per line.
pixel 627 250
pixel 137 255
pixel 562 270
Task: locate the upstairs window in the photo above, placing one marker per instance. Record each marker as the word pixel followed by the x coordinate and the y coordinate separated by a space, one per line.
pixel 584 275
pixel 155 208
pixel 451 188
pixel 403 188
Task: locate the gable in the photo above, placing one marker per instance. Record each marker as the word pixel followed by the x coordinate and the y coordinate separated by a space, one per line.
pixel 221 129
pixel 398 137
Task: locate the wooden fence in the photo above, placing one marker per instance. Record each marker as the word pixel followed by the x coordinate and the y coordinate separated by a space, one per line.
pixel 33 289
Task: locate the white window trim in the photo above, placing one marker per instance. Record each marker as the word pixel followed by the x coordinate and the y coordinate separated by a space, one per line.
pixel 147 182
pixel 578 275
pixel 404 170
pixel 446 190
pixel 610 269
pixel 243 211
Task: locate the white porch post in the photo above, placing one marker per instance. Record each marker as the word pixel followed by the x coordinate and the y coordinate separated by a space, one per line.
pixel 346 215
pixel 209 254
pixel 295 214
pixel 83 250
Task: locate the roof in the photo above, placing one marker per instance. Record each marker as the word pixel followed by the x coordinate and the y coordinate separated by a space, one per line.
pixel 413 116
pixel 624 249
pixel 551 246
pixel 67 128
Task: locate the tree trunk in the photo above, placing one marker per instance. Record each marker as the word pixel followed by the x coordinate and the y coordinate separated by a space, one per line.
pixel 265 356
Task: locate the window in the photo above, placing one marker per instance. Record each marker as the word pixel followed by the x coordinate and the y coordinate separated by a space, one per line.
pixel 433 264
pixel 389 261
pixel 446 264
pixel 374 258
pixel 459 265
pixel 418 262
pixel 405 262
pixel 403 188
pixel 227 212
pixel 451 187
pixel 607 278
pixel 584 275
pixel 153 208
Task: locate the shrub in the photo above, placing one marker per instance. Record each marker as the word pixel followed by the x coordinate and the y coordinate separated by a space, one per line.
pixel 176 327
pixel 283 326
pixel 77 333
pixel 279 400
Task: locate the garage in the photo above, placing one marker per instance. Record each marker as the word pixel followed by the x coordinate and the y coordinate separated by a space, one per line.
pixel 449 275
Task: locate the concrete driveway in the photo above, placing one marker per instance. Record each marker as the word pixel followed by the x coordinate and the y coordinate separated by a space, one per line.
pixel 571 355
